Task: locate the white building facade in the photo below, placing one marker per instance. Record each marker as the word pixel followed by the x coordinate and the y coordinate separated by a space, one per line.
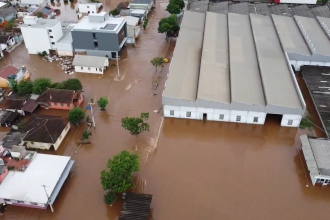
pixel 234 79
pixel 89 8
pixel 90 64
pixel 48 32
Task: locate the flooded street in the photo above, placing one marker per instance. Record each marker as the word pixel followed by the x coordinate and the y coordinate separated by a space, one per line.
pixel 194 170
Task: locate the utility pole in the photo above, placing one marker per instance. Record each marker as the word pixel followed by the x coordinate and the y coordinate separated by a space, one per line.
pixel 118 64
pixel 91 108
pixel 51 207
pixel 9 57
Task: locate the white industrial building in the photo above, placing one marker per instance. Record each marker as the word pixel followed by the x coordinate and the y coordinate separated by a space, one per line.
pixel 90 64
pixel 317 153
pixel 41 34
pixel 231 68
pixel 39 185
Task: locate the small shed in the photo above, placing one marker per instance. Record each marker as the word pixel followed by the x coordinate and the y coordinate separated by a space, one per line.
pixel 90 64
pixel 139 13
pixel 133 30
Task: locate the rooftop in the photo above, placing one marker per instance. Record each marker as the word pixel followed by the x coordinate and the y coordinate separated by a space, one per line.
pixel 243 60
pixel 44 128
pixel 132 21
pixel 67 36
pixel 42 23
pixel 46 11
pixel 85 24
pixel 317 154
pixel 44 170
pixel 89 61
pixel 7 71
pixel 184 71
pixel 30 105
pixel 7 11
pixel 12 138
pixel 147 2
pixel 279 88
pixel 4 39
pixel 57 96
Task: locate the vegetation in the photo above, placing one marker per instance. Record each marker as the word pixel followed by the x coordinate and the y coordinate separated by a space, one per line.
pixel 12 83
pixel 306 123
pixel 25 87
pixel 114 12
pixel 136 125
pixel 41 84
pixel 58 85
pixel 71 1
pixel 179 3
pixel 52 1
pixel 85 137
pixel 157 61
pixel 110 197
pixel 145 23
pixel 118 176
pixel 168 25
pixel 76 115
pixel 9 25
pixel 173 8
pixel 72 84
pixel 102 103
pixel 42 54
pixel 39 14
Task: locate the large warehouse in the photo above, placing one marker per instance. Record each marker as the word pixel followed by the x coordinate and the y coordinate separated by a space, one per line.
pixel 231 67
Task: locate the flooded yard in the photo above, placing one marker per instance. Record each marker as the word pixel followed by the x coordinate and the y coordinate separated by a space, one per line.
pixel 194 170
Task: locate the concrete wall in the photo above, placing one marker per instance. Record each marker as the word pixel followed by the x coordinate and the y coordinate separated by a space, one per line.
pixel 55 35
pixel 32 45
pixel 291 120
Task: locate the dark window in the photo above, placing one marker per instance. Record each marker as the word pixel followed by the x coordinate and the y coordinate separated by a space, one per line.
pixel 96 45
pixel 221 116
pixel 34 203
pixel 113 54
pixel 89 68
pixel 290 122
pixel 255 119
pixel 68 105
pixel 188 114
pixel 53 43
pixel 100 69
pixel 62 104
pixel 82 68
pixel 55 103
pixel 238 118
pixel 19 201
pixel 171 112
pixel 87 6
pixel 49 30
pixel 32 142
pixel 51 36
pixel 94 36
pixel 121 35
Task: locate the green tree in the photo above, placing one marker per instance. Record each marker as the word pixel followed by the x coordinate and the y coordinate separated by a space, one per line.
pixel 102 103
pixel 9 25
pixel 114 12
pixel 76 115
pixel 145 23
pixel 168 25
pixel 110 197
pixel 39 14
pixel 41 84
pixel 25 87
pixel 306 123
pixel 85 136
pixel 136 125
pixel 157 61
pixel 58 85
pixel 72 84
pixel 118 176
pixel 179 3
pixel 173 8
pixel 12 83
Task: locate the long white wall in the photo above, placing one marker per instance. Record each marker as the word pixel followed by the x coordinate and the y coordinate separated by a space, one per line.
pixel 248 117
pixel 33 44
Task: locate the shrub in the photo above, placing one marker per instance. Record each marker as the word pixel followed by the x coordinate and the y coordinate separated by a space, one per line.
pixel 110 197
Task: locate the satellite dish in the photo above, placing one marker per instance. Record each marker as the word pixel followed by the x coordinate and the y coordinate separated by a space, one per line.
pixel 14 127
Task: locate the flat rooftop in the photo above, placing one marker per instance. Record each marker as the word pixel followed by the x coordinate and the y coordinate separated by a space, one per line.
pixel 28 185
pixel 184 70
pixel 277 81
pixel 243 60
pixel 43 23
pixel 316 38
pixel 317 154
pixel 110 24
pixel 214 70
pixel 290 36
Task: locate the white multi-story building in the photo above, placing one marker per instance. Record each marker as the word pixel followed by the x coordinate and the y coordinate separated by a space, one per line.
pixel 41 34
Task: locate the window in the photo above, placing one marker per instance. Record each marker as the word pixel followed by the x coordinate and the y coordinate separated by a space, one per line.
pixel 34 203
pixel 290 122
pixel 96 44
pixel 87 6
pixel 238 118
pixel 32 142
pixel 188 114
pixel 171 112
pixel 51 36
pixel 49 30
pixel 221 116
pixel 68 105
pixel 19 201
pixel 82 68
pixel 62 104
pixel 55 103
pixel 100 69
pixel 255 119
pixel 89 68
pixel 53 43
pixel 95 69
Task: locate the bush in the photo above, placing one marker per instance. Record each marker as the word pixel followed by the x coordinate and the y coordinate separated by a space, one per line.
pixel 168 25
pixel 306 123
pixel 12 83
pixel 25 87
pixel 58 85
pixel 136 125
pixel 102 102
pixel 110 197
pixel 76 115
pixel 40 85
pixel 72 84
pixel 114 12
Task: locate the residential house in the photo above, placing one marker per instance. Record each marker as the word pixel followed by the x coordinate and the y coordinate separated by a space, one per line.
pixel 27 187
pixel 7 14
pixel 45 132
pixel 133 30
pixel 13 142
pixel 60 99
pixel 90 64
pixel 123 5
pixel 14 102
pixel 13 73
pixel 90 8
pixel 99 35
pixel 8 118
pixel 141 4
pixel 47 11
pixel 49 31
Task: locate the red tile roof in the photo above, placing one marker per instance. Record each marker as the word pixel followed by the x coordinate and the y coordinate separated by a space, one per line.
pixel 8 70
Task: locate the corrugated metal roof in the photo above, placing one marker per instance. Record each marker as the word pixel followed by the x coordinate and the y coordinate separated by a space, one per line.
pixel 278 85
pixel 290 35
pixel 325 24
pixel 245 79
pixel 214 72
pixel 184 70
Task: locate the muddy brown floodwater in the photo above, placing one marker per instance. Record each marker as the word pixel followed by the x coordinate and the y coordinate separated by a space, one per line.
pixel 195 170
